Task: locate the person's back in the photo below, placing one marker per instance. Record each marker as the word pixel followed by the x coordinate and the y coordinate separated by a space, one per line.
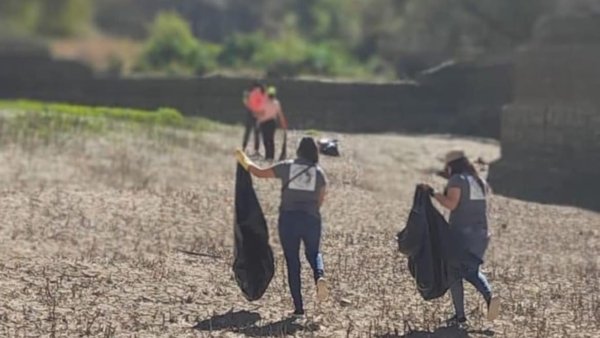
pixel 302 193
pixel 271 109
pixel 469 218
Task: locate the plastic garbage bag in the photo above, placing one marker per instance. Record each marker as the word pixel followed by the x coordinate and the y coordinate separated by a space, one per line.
pixel 426 240
pixel 253 264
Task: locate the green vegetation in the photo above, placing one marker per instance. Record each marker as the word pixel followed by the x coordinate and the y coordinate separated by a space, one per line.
pixel 50 18
pixel 361 38
pixel 44 119
pixel 290 55
pixel 163 116
pixel 358 39
pixel 172 48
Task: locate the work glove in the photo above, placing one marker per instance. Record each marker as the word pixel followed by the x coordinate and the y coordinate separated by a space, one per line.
pixel 242 158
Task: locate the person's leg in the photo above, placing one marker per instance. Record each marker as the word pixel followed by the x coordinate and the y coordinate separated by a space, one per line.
pixel 290 242
pixel 256 136
pixel 312 240
pixel 311 237
pixel 249 125
pixel 457 292
pixel 479 281
pixel 474 276
pixel 268 131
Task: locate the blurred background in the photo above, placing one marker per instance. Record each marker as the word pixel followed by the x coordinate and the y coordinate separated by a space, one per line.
pixel 359 39
pixel 524 73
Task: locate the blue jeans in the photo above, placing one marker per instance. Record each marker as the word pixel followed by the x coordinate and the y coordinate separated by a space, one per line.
pixel 296 227
pixel 472 274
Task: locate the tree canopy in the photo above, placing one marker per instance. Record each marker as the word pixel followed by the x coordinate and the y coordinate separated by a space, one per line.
pixel 316 36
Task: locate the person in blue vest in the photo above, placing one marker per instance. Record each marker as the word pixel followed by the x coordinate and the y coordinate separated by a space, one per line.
pixel 302 195
pixel 466 196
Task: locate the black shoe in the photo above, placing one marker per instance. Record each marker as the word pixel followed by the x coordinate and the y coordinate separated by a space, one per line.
pixel 298 314
pixel 456 321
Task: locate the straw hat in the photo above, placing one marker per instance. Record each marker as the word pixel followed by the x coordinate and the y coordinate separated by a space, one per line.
pixel 454 155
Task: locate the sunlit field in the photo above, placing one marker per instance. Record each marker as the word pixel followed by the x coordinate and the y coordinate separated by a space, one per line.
pixel 121 228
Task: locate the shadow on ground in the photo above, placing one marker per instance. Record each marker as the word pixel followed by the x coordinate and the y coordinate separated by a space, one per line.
pixel 281 328
pixel 545 184
pixel 228 321
pixel 244 322
pixel 442 332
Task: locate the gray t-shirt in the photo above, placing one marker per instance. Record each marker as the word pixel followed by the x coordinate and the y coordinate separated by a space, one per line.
pixel 469 219
pixel 302 193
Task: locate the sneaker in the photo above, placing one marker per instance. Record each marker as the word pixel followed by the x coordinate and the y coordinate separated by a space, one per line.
pixel 322 289
pixel 493 308
pixel 456 321
pixel 298 314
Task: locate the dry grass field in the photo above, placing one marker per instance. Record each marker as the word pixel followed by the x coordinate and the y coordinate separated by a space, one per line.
pixel 93 226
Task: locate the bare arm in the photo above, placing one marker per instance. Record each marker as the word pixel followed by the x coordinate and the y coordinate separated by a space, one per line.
pixel 322 194
pixel 261 172
pixel 252 168
pixel 282 119
pixel 450 200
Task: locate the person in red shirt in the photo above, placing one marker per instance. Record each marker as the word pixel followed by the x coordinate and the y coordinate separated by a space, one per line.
pixel 254 100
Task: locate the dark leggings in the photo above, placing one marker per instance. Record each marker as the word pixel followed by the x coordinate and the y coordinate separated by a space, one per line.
pixel 472 274
pixel 296 227
pixel 251 126
pixel 267 129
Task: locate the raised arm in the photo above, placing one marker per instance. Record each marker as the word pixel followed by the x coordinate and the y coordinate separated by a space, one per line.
pixel 261 172
pixel 253 168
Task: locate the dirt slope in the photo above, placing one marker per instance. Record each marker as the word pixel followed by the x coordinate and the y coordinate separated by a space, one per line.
pixel 90 229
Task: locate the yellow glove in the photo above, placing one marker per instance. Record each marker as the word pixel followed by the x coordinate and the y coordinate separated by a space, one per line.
pixel 242 158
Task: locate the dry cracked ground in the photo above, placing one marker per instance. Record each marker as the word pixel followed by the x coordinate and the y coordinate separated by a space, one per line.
pixel 95 229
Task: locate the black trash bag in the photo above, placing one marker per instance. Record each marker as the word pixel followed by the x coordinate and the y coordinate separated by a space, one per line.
pixel 253 263
pixel 426 240
pixel 411 238
pixel 328 147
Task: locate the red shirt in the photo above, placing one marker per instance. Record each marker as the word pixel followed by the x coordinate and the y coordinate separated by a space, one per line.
pixel 256 101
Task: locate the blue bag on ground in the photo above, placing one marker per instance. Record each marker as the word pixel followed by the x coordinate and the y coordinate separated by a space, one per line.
pixel 253 264
pixel 426 240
